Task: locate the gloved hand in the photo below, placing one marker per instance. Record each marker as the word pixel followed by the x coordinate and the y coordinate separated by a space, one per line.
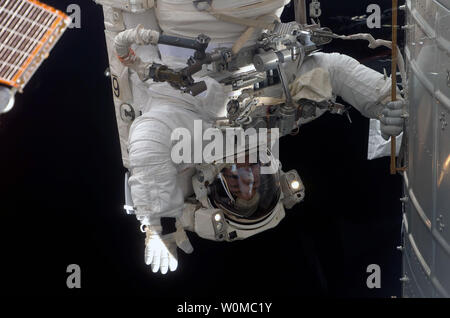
pixel 391 119
pixel 161 250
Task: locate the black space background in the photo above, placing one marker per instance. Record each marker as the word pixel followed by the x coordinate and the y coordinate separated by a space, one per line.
pixel 61 192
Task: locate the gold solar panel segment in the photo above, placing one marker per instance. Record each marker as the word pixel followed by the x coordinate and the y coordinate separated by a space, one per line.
pixel 28 31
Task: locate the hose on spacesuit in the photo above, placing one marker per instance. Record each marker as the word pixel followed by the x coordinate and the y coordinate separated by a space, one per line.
pixel 375 43
pixel 124 40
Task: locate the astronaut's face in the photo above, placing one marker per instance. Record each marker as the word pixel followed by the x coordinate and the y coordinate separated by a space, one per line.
pixel 243 180
pixel 244 193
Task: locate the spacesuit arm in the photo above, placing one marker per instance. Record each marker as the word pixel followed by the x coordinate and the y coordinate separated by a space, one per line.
pixel 363 88
pixel 153 180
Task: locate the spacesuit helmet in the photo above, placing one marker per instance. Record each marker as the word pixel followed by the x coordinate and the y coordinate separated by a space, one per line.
pixel 244 192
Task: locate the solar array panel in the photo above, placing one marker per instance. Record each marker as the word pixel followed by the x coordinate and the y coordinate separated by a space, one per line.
pixel 28 31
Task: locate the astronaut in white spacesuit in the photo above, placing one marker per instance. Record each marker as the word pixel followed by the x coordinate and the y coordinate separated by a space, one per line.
pixel 149 112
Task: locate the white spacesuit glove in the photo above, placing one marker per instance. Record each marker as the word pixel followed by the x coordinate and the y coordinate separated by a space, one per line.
pixel 391 119
pixel 161 250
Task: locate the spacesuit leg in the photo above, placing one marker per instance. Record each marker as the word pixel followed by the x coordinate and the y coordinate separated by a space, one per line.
pixel 153 180
pixel 129 93
pixel 156 192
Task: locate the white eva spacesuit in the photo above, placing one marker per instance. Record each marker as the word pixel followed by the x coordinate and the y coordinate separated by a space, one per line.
pixel 149 112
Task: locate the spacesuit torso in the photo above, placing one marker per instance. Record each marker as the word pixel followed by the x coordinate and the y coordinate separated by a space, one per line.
pixel 148 112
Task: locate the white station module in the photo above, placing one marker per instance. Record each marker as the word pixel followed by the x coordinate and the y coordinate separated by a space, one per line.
pixel 426 230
